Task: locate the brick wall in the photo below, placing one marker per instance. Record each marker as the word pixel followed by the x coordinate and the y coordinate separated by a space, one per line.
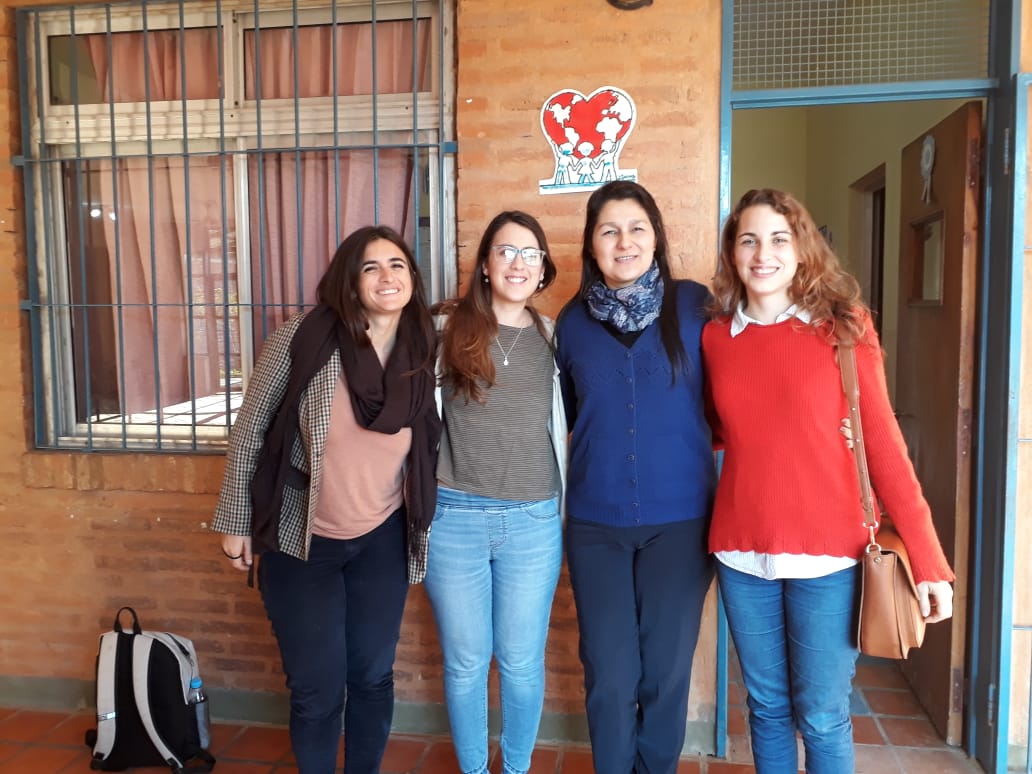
pixel 511 58
pixel 83 534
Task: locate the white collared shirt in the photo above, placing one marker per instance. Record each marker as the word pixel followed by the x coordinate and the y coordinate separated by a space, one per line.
pixel 741 320
pixel 777 566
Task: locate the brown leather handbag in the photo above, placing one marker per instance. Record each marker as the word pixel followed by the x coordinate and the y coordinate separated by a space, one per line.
pixel 890 621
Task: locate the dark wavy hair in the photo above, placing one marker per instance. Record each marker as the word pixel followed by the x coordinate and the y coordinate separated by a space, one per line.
pixel 821 286
pixel 338 289
pixel 471 326
pixel 669 327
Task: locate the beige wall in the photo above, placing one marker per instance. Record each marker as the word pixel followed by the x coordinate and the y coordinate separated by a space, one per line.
pixel 769 150
pixel 818 153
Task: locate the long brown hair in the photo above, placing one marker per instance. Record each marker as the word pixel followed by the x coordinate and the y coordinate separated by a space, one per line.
pixel 829 293
pixel 669 326
pixel 471 326
pixel 338 289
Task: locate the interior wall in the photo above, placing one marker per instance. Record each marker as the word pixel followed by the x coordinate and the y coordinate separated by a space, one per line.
pixel 769 145
pixel 817 153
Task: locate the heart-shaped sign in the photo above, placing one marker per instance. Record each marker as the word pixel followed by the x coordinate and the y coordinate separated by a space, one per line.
pixel 586 135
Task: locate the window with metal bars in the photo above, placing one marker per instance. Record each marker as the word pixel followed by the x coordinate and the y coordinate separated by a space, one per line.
pixel 190 168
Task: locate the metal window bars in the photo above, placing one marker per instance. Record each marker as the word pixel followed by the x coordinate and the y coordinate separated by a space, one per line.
pixel 190 168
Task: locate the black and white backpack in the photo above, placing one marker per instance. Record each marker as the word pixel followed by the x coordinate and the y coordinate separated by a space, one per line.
pixel 144 717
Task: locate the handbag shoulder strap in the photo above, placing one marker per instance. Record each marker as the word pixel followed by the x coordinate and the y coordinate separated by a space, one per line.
pixel 851 386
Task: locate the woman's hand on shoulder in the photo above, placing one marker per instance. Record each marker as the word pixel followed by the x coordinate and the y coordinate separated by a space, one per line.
pixel 936 598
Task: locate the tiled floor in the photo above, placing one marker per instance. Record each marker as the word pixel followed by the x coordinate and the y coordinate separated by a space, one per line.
pixel 891 733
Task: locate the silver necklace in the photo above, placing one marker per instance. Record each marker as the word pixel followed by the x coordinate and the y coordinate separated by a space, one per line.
pixel 505 355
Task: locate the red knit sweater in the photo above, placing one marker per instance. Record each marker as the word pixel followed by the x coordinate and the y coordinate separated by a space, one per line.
pixel 789 483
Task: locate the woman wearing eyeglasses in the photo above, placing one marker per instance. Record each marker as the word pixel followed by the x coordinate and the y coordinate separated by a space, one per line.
pixel 641 481
pixel 496 540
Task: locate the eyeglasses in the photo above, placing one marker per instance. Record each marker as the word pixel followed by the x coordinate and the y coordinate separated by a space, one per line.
pixel 531 255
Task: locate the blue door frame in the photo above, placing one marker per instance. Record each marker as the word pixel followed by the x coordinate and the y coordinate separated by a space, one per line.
pixel 987 713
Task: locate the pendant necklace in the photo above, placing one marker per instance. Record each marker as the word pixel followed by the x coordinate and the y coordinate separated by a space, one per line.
pixel 505 355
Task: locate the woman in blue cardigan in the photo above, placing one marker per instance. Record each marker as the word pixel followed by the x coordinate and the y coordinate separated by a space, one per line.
pixel 640 482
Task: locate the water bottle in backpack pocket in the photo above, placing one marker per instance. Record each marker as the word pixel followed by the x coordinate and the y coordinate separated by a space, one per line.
pixel 198 699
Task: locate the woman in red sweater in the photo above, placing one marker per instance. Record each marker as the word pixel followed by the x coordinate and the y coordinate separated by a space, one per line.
pixel 787 525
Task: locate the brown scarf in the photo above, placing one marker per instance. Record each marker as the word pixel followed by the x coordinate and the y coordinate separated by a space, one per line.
pixel 387 399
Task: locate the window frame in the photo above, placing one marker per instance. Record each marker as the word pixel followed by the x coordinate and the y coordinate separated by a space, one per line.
pixel 421 121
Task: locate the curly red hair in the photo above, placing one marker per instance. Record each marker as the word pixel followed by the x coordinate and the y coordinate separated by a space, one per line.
pixel 829 293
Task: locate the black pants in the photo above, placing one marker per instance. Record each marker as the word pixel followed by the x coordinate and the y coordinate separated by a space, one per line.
pixel 639 593
pixel 337 618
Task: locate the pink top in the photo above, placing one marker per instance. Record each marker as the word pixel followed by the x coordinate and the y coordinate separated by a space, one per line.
pixel 362 476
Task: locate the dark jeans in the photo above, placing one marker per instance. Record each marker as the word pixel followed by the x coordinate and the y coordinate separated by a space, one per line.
pixel 639 593
pixel 337 618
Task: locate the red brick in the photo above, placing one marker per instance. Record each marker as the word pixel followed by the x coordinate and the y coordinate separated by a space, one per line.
pixel 99 530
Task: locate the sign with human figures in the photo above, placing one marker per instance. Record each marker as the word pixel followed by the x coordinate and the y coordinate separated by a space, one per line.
pixel 586 135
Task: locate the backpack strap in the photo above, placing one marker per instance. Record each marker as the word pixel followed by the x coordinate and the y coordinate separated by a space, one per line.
pixel 106 714
pixel 141 691
pixel 118 620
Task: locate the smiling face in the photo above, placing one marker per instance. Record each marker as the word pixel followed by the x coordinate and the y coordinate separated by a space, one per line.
pixel 384 280
pixel 516 282
pixel 623 242
pixel 765 259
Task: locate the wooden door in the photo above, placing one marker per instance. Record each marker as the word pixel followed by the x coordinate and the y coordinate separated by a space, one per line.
pixel 939 206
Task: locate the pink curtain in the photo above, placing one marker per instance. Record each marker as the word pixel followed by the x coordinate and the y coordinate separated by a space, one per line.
pixel 161 66
pixel 165 263
pixel 160 254
pixel 395 48
pixel 295 192
pixel 285 270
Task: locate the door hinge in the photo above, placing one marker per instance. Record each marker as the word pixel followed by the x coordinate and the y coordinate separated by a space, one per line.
pixel 957 692
pixel 990 706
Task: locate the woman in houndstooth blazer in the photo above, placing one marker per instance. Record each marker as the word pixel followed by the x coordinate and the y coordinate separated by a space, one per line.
pixel 363 489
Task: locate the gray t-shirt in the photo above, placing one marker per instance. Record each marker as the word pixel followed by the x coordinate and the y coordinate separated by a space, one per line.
pixel 501 448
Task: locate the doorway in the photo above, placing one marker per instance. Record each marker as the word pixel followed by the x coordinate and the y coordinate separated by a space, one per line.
pixel 846 163
pixel 820 54
pixel 822 154
pixel 866 248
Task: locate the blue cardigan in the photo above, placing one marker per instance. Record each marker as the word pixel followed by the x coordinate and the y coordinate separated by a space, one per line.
pixel 640 451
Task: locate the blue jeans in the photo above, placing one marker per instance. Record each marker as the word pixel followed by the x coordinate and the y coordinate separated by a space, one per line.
pixel 491 575
pixel 639 593
pixel 337 618
pixel 796 642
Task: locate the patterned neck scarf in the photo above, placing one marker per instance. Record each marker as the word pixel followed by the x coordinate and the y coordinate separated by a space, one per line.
pixel 631 308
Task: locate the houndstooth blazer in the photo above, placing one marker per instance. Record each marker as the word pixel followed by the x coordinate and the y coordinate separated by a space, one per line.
pixel 262 398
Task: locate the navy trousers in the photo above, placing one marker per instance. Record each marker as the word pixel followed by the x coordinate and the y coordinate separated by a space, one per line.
pixel 639 593
pixel 337 618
